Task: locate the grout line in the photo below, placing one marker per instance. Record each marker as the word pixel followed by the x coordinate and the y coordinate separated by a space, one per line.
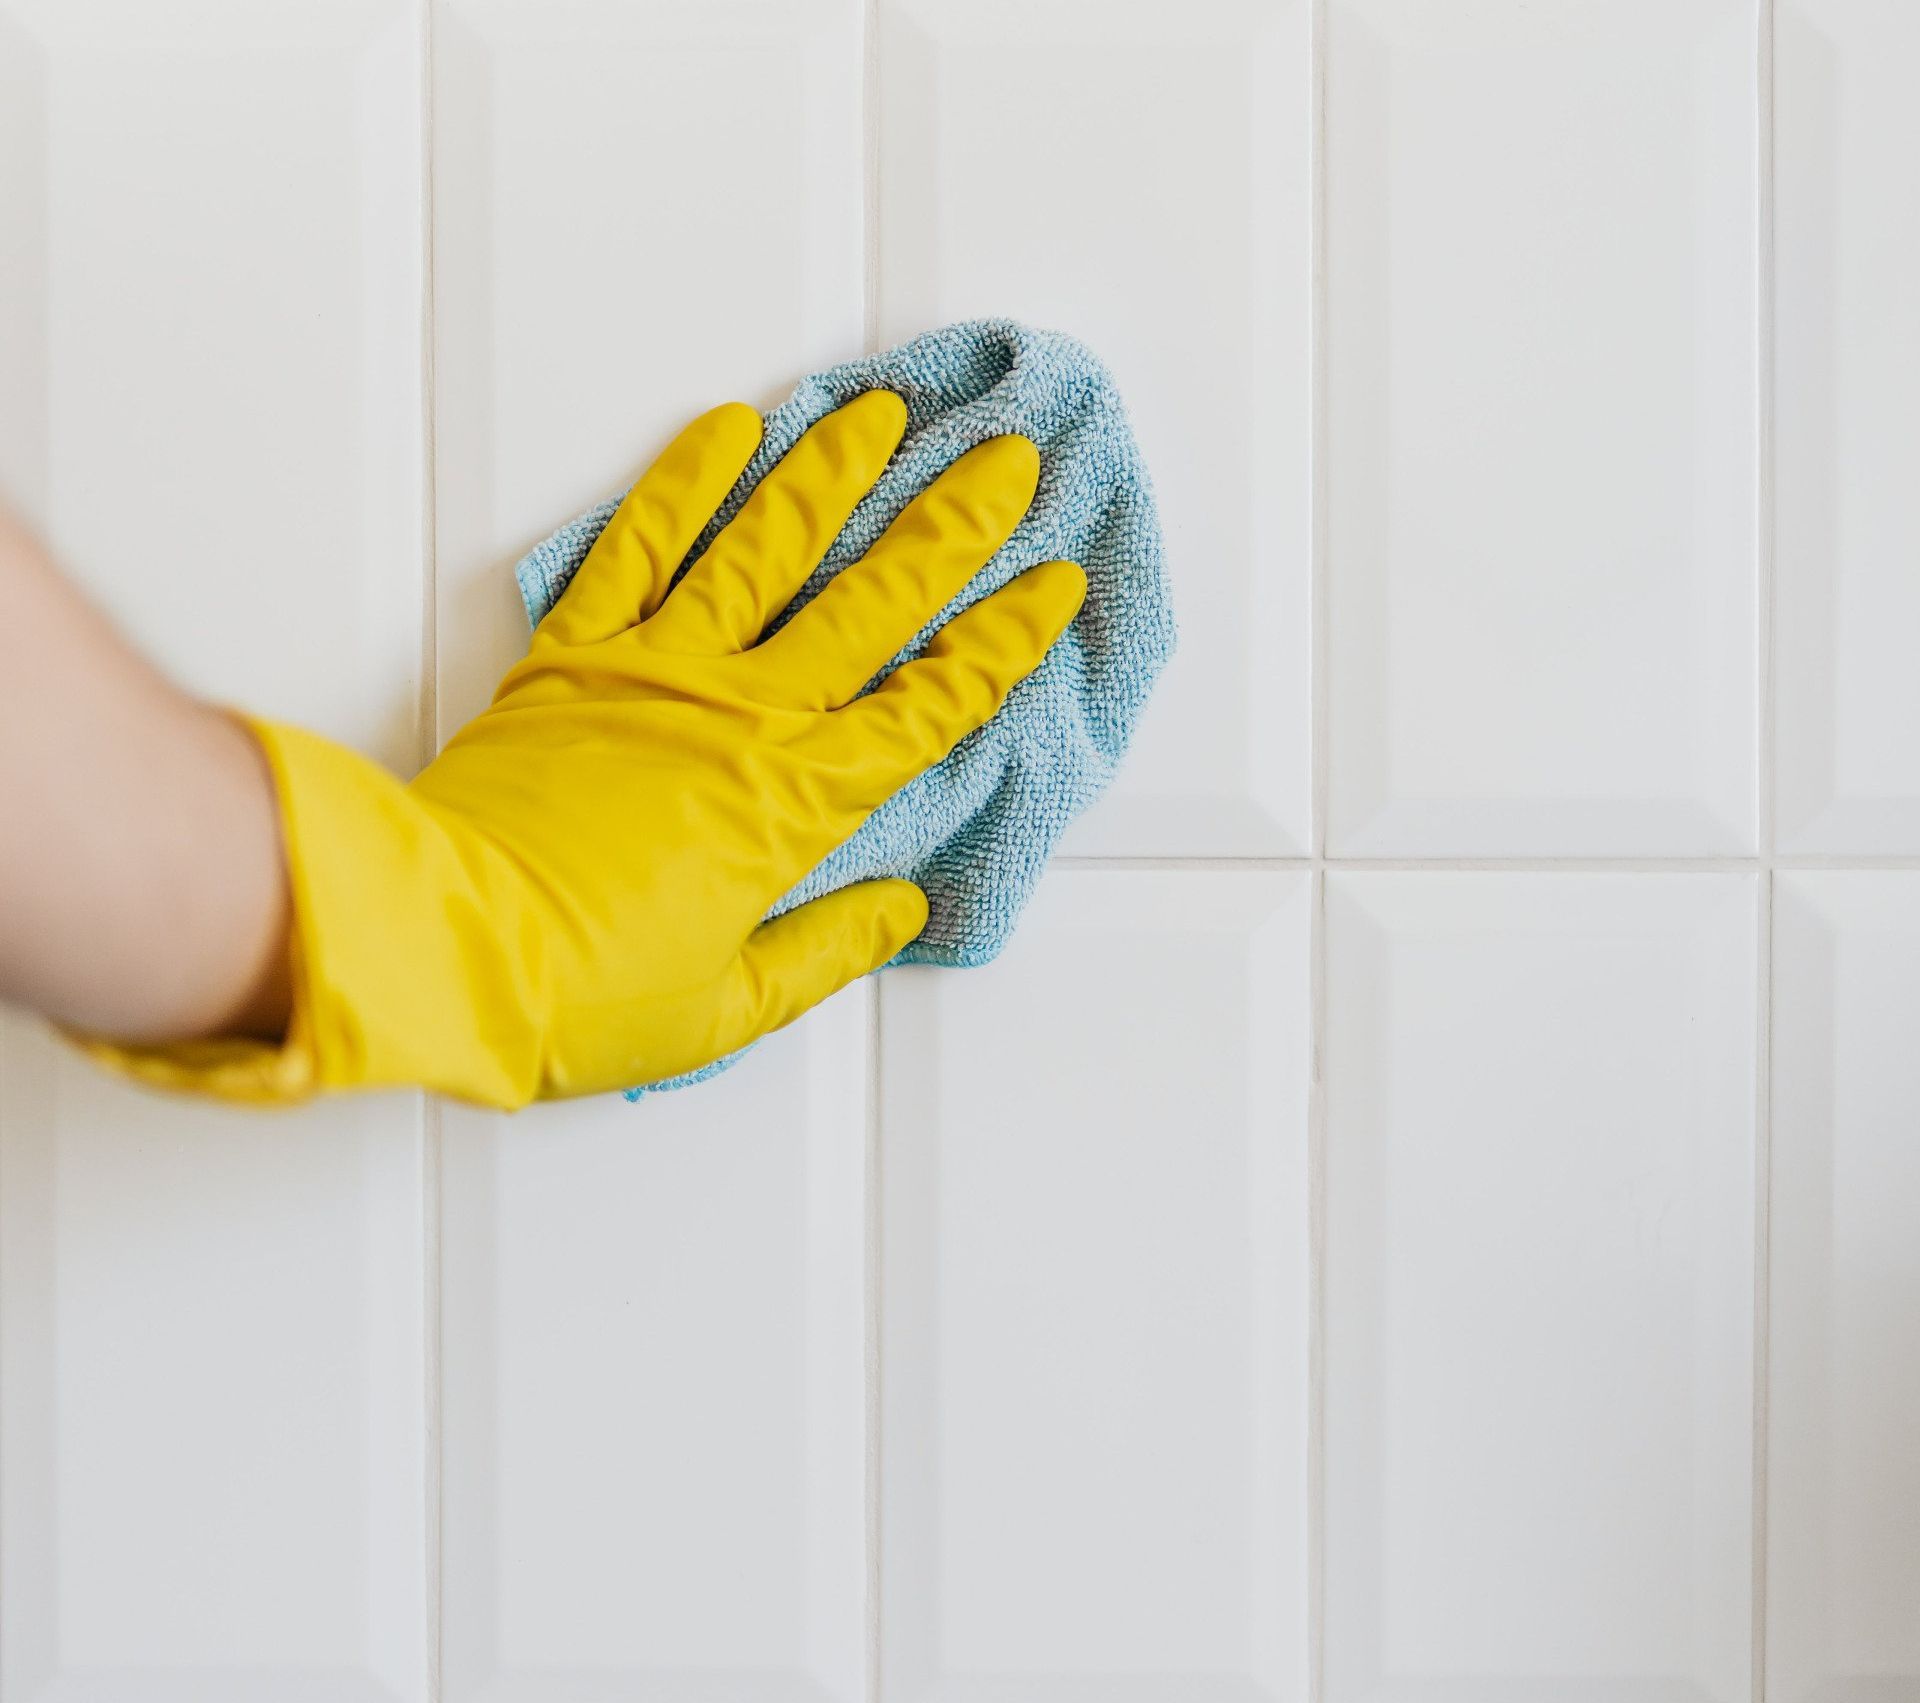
pixel 1319 580
pixel 1316 1464
pixel 1765 541
pixel 431 1390
pixel 870 172
pixel 871 1328
pixel 1762 1276
pixel 1319 576
pixel 427 710
pixel 1764 532
pixel 431 1111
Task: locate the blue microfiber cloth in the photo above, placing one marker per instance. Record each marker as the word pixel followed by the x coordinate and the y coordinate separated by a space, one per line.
pixel 975 831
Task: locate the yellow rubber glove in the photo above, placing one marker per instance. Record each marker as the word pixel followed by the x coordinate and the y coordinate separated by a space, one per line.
pixel 569 898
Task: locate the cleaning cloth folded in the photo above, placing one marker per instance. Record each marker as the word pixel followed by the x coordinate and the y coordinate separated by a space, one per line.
pixel 975 831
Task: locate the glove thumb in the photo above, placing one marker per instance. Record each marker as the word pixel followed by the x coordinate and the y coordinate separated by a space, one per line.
pixel 791 964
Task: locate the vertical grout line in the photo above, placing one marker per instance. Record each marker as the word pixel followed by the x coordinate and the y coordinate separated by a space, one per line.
pixel 1316 1291
pixel 1764 538
pixel 873 1217
pixel 870 172
pixel 430 699
pixel 428 739
pixel 873 1220
pixel 1319 698
pixel 1317 570
pixel 1762 1219
pixel 1764 545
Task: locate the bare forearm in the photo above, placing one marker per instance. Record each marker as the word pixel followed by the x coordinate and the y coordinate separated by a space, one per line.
pixel 141 884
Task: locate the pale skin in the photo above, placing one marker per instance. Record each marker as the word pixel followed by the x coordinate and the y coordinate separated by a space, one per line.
pixel 143 890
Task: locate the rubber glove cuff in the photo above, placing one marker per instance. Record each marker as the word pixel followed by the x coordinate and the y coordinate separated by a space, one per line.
pixel 413 953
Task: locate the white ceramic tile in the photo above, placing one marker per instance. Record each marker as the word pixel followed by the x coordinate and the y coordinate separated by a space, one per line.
pixel 653 1313
pixel 1847 328
pixel 1139 175
pixel 653 1434
pixel 1540 389
pixel 641 209
pixel 212 223
pixel 211 1413
pixel 1539 1303
pixel 1844 1477
pixel 1093 1355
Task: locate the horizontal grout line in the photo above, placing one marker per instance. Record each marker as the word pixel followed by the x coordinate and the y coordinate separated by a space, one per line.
pixel 1891 862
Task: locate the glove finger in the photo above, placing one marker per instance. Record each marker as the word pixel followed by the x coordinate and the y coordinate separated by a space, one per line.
pixel 794 962
pixel 871 610
pixel 751 571
pixel 633 561
pixel 926 707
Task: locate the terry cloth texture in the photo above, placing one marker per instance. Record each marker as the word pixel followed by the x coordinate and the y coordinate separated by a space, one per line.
pixel 975 831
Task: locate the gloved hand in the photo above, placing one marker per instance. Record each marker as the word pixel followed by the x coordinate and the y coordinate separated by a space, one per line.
pixel 569 899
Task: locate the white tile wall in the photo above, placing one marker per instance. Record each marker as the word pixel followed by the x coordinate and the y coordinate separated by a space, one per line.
pixel 1181 250
pixel 212 1448
pixel 1844 1532
pixel 211 1379
pixel 1540 1208
pixel 1540 230
pixel 654 1436
pixel 1282 1276
pixel 652 1317
pixel 1094 1302
pixel 1847 246
pixel 588 301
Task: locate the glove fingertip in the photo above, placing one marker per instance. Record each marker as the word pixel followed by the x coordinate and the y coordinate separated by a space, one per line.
pixel 900 917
